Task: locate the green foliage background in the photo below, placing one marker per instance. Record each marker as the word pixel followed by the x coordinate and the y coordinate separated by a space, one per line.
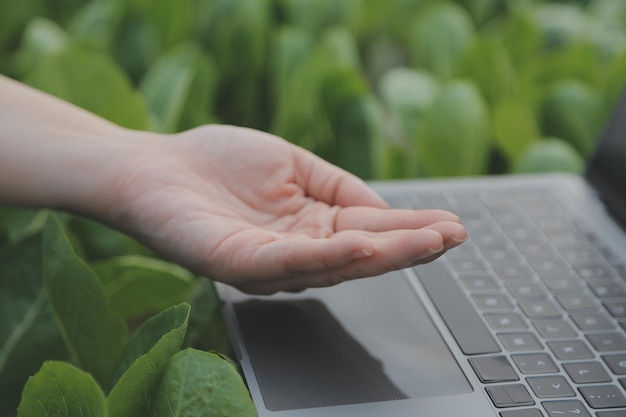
pixel 400 88
pixel 385 89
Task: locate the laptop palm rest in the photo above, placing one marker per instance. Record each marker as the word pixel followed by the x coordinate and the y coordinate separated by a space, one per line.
pixel 361 342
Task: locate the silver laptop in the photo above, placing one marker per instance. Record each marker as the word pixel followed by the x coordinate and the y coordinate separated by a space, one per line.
pixel 526 319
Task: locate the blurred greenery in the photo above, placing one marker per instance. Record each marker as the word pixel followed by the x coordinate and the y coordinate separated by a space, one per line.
pixel 354 81
pixel 385 89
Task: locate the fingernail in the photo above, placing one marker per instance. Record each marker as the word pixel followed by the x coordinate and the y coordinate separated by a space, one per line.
pixel 430 252
pixel 361 253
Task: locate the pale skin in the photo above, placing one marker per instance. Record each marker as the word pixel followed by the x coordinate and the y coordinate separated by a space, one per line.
pixel 237 205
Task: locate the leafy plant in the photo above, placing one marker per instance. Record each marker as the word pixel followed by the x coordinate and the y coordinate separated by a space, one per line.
pixel 57 308
pixel 385 89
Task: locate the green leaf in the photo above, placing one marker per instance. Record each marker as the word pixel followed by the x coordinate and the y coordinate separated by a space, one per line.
pixel 42 37
pixel 98 241
pixel 570 112
pixel 93 81
pixel 207 328
pixel 137 286
pixel 456 136
pixel 18 224
pixel 14 16
pixel 94 334
pixel 515 126
pixel 97 22
pixel 488 63
pixel 170 82
pixel 439 37
pixel 172 21
pixel 62 390
pixel 139 371
pixel 201 384
pixel 28 331
pixel 408 93
pixel 550 155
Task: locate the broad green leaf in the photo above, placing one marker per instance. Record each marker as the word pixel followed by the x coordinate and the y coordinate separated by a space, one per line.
pixel 62 390
pixel 570 111
pixel 138 286
pixel 561 24
pixel 42 37
pixel 14 16
pixel 93 81
pixel 341 47
pixel 136 46
pixel 488 63
pixel 408 93
pixel 140 368
pixel 439 36
pixel 354 120
pixel 550 155
pixel 170 83
pixel 207 328
pixel 456 136
pixel 98 242
pixel 236 33
pixel 515 126
pixel 199 107
pixel 317 15
pixel 96 22
pixel 522 36
pixel 17 224
pixel 291 47
pixel 28 331
pixel 94 334
pixel 201 384
pixel 172 21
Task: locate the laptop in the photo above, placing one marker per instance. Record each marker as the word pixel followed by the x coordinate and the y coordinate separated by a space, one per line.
pixel 525 319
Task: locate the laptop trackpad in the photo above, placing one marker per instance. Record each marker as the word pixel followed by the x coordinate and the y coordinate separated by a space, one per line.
pixel 362 341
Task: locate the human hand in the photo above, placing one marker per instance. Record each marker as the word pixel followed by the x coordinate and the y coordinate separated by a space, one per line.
pixel 252 210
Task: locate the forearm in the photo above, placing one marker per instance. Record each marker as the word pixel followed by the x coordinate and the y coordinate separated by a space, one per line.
pixel 53 154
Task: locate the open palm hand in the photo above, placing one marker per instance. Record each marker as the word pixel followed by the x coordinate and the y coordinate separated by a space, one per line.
pixel 252 210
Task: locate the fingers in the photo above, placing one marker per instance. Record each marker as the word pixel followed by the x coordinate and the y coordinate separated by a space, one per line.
pixel 378 220
pixel 332 185
pixel 391 251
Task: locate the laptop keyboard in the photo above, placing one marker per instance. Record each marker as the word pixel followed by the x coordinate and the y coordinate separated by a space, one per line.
pixel 537 303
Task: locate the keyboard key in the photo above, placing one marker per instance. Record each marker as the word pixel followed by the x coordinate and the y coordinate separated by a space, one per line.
pixel 607 342
pixel 539 310
pixel 616 363
pixel 570 350
pixel 526 290
pixel 550 387
pixel 566 408
pixel 604 290
pixel 554 329
pixel 562 284
pixel 575 301
pixel 589 272
pixel 586 372
pixel 612 413
pixel 535 363
pixel 520 342
pixel 491 369
pixel 478 282
pixel 526 412
pixel 512 271
pixel 616 308
pixel 604 396
pixel 514 395
pixel 591 321
pixel 505 321
pixel 492 302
